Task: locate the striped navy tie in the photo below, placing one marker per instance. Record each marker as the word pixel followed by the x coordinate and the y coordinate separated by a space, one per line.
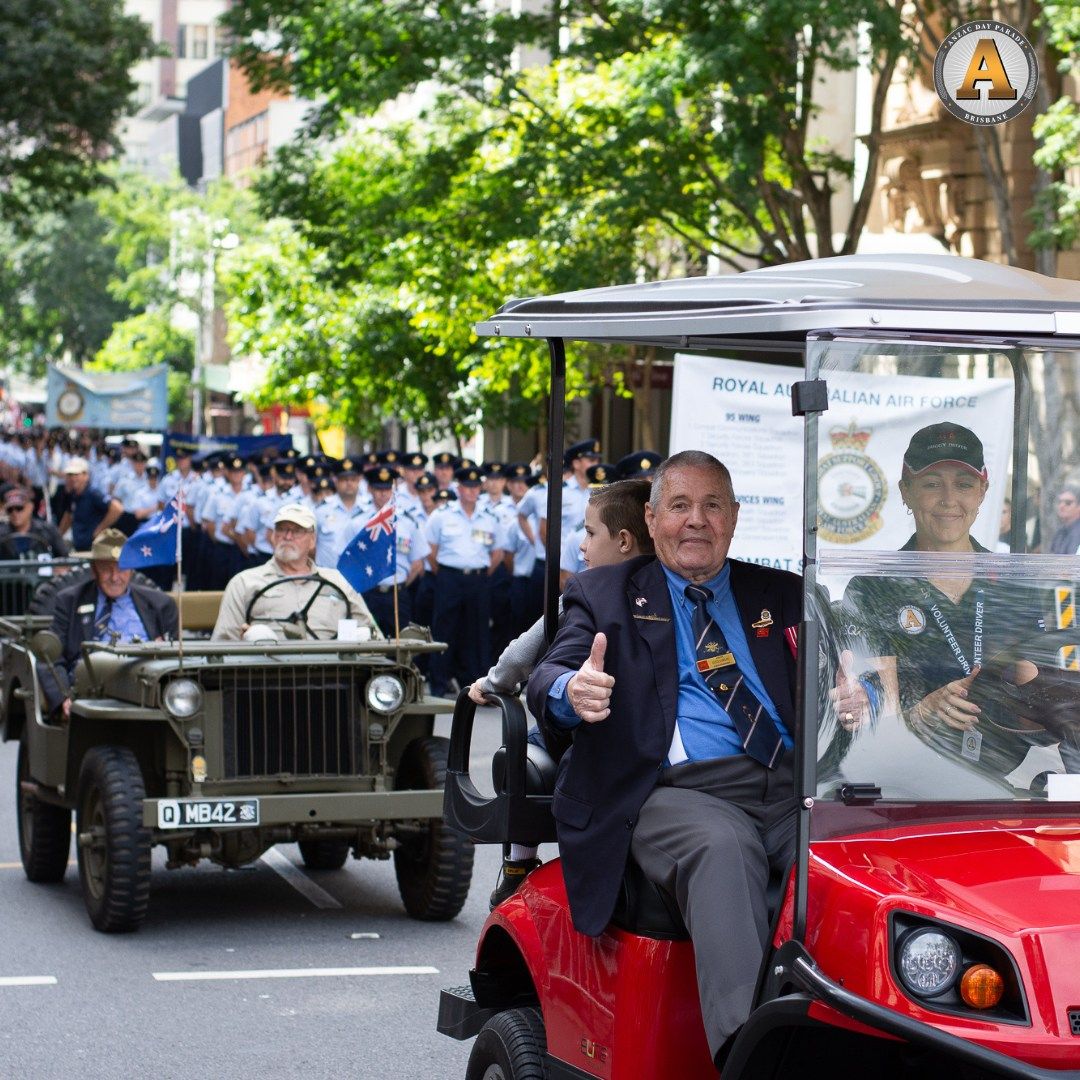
pixel 716 663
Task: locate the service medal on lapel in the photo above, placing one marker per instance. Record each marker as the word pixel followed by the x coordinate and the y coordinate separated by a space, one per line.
pixel 641 603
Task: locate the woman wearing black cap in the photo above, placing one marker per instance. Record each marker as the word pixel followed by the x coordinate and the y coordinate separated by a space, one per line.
pixel 941 628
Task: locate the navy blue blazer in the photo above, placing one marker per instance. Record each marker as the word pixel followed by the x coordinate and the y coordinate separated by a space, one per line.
pixel 607 774
pixel 73 623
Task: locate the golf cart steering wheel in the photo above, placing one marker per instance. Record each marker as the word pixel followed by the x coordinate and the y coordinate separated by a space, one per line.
pixel 298 617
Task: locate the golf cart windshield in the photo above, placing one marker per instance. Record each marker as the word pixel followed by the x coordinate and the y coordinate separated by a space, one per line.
pixel 942 571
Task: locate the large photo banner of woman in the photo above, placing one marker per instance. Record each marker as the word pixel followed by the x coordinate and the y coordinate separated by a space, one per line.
pixel 741 412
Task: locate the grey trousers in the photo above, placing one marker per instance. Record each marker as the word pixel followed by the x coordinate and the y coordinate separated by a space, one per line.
pixel 709 833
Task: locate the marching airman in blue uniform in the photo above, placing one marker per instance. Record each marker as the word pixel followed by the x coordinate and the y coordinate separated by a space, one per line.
pixel 337 511
pixel 443 465
pixel 464 549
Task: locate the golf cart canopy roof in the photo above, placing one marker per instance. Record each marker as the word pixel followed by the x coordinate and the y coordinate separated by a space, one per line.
pixel 881 292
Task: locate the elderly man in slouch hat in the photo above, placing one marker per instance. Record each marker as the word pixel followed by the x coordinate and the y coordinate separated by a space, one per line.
pixel 109 608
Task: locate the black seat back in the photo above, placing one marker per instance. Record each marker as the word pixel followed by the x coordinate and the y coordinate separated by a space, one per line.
pixel 520 810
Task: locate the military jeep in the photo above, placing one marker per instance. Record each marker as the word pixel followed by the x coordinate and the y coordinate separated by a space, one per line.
pixel 20 579
pixel 220 750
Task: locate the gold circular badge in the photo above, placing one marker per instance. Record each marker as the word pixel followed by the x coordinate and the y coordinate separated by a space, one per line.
pixel 69 405
pixel 986 72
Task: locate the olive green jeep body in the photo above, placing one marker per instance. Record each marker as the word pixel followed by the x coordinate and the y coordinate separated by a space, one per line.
pixel 220 750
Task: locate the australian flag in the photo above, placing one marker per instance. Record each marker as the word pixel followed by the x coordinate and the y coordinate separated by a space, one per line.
pixel 369 556
pixel 153 543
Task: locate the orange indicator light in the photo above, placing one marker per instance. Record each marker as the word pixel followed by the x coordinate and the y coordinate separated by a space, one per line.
pixel 981 987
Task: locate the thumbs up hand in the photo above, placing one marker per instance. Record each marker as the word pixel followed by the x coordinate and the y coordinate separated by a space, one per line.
pixel 589 691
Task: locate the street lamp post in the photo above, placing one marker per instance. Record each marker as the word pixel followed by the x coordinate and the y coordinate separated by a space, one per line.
pixel 217 238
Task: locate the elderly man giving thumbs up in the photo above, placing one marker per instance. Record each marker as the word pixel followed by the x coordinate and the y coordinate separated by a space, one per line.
pixel 677 677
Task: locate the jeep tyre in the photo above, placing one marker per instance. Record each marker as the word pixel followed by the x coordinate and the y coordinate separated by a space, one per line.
pixel 324 854
pixel 434 868
pixel 44 829
pixel 511 1046
pixel 114 847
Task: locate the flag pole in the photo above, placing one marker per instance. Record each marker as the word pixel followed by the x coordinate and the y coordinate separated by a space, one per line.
pixel 179 572
pixel 397 623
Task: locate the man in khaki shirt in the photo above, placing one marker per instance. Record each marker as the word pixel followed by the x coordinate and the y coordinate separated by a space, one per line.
pixel 293 537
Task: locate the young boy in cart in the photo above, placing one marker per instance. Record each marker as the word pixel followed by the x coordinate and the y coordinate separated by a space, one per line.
pixel 615 531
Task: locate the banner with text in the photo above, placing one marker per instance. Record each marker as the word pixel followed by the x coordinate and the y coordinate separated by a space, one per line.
pixel 111 400
pixel 741 413
pixel 244 445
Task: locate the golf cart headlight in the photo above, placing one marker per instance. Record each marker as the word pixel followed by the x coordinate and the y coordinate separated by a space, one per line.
pixel 385 693
pixel 929 962
pixel 182 698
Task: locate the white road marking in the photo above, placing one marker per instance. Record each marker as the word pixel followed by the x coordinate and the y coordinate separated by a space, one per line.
pixel 288 973
pixel 368 935
pixel 18 865
pixel 298 879
pixel 28 980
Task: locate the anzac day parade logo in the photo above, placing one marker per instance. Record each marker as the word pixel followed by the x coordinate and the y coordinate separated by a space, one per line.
pixel 986 72
pixel 851 488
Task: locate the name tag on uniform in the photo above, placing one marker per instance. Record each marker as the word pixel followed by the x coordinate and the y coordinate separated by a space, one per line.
pixel 86 609
pixel 714 662
pixel 483 537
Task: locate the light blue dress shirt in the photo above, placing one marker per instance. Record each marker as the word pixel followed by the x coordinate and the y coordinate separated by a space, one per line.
pixel 123 621
pixel 703 728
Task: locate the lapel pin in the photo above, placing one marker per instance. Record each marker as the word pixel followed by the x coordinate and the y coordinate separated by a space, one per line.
pixel 641 601
pixel 764 621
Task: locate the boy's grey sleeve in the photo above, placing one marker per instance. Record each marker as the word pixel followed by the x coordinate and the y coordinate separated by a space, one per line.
pixel 513 668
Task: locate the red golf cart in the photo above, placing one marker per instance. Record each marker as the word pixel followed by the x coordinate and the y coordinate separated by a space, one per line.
pixel 930 924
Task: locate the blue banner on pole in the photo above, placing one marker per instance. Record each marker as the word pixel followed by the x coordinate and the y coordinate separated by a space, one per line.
pixel 243 445
pixel 116 400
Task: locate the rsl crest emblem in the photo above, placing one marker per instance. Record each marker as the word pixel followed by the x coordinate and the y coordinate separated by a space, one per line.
pixel 851 488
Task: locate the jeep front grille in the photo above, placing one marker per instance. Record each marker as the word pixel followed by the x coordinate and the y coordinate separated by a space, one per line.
pixel 296 719
pixel 1074 1021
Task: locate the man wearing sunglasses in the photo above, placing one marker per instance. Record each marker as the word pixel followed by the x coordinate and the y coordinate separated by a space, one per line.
pixel 24 535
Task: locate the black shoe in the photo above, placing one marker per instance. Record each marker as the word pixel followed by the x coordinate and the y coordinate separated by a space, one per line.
pixel 512 874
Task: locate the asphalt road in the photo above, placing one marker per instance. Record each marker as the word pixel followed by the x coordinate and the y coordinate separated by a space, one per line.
pixel 77 1003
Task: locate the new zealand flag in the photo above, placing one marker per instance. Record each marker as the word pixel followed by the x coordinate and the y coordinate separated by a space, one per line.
pixel 369 556
pixel 154 542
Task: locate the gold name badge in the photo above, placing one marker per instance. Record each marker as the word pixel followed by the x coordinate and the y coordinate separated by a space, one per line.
pixel 714 662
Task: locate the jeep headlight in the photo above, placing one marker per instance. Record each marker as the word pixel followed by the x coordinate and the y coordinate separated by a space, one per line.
pixel 928 962
pixel 182 698
pixel 385 693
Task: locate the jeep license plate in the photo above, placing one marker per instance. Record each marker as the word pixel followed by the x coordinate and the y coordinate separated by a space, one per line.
pixel 206 813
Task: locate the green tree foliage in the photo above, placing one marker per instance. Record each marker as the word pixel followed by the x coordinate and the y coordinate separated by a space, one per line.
pixel 405 238
pixel 645 138
pixel 168 241
pixel 1058 132
pixel 55 302
pixel 717 137
pixel 148 339
pixel 65 82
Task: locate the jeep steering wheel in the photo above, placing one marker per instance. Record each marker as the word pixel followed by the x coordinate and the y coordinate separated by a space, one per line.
pixel 298 617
